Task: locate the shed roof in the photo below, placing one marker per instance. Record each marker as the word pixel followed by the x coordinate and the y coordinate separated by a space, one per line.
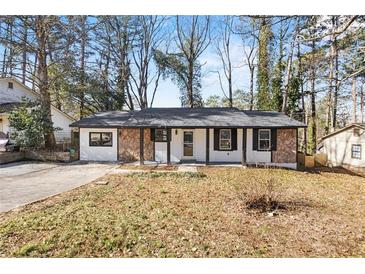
pixel 189 118
pixel 358 125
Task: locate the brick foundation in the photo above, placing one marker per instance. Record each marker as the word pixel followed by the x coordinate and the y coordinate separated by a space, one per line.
pixel 129 144
pixel 286 146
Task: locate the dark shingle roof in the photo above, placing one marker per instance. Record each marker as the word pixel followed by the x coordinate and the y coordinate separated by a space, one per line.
pixel 104 119
pixel 189 117
pixel 7 107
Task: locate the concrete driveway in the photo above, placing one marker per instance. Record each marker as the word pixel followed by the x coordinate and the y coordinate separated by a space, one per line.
pixel 26 182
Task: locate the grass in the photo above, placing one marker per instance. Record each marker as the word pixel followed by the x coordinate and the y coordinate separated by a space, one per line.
pixel 185 215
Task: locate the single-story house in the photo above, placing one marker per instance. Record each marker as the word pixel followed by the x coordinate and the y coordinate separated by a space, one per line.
pixel 12 93
pixel 205 135
pixel 345 146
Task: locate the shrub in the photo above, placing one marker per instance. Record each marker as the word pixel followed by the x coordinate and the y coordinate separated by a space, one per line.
pixel 29 125
pixel 265 194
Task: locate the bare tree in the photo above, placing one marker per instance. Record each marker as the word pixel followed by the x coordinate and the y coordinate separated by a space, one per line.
pixel 148 37
pixel 248 32
pixel 223 48
pixel 289 67
pixel 193 39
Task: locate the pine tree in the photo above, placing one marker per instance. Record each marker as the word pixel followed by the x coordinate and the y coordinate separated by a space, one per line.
pixel 263 69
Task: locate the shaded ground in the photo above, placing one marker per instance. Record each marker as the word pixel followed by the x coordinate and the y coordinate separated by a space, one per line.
pixel 194 215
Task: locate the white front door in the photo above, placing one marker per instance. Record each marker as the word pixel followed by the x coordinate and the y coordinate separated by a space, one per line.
pixel 188 144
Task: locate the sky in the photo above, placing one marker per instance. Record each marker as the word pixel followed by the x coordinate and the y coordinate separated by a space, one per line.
pixel 168 93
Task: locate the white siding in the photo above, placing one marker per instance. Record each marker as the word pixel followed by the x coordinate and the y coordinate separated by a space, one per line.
pixel 88 153
pixel 4 125
pixel 13 95
pixel 18 92
pixel 254 156
pixel 225 156
pixel 338 148
pixel 161 152
pixel 177 144
pixel 61 121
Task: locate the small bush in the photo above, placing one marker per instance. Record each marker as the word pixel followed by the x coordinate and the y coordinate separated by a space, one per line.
pixel 264 194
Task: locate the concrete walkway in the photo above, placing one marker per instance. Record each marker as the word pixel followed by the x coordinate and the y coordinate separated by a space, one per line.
pixel 26 182
pixel 187 168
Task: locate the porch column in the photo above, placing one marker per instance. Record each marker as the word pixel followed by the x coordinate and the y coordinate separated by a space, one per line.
pixel 244 146
pixel 141 146
pixel 207 146
pixel 118 140
pixel 168 146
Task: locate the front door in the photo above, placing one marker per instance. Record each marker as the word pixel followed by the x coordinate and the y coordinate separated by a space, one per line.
pixel 188 144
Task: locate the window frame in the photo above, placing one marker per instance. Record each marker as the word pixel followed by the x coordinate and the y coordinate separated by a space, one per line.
pixel 356 132
pixel 100 136
pixel 352 151
pixel 188 143
pixel 260 139
pixel 163 135
pixel 10 85
pixel 225 139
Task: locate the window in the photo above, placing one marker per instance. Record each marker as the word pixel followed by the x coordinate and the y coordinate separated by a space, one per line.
pixel 160 135
pixel 356 151
pixel 10 85
pixel 100 139
pixel 356 132
pixel 225 137
pixel 264 139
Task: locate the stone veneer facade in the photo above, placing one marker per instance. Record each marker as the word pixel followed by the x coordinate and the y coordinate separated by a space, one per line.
pixel 129 144
pixel 286 146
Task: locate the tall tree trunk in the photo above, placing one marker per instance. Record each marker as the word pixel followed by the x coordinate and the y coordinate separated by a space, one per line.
pixel 287 77
pixel 336 89
pixel 11 48
pixel 190 84
pixel 24 53
pixel 362 102
pixel 41 35
pixel 354 99
pixel 252 75
pixel 313 101
pixel 263 77
pixel 302 95
pixel 35 65
pixel 82 66
pixel 4 66
pixel 333 80
pixel 229 78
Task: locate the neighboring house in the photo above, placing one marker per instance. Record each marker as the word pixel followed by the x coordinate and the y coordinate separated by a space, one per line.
pixel 12 92
pixel 206 135
pixel 345 147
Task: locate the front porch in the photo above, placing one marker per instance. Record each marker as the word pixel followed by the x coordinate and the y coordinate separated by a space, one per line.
pixel 208 146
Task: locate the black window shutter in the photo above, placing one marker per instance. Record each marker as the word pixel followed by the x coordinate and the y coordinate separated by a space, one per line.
pixel 152 133
pixel 216 139
pixel 234 138
pixel 273 138
pixel 255 138
pixel 169 134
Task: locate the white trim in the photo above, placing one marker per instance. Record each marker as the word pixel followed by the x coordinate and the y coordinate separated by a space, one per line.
pixel 230 139
pixel 35 94
pixel 183 143
pixel 260 139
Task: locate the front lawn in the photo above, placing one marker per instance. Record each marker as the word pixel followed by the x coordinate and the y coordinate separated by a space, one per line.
pixel 195 215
